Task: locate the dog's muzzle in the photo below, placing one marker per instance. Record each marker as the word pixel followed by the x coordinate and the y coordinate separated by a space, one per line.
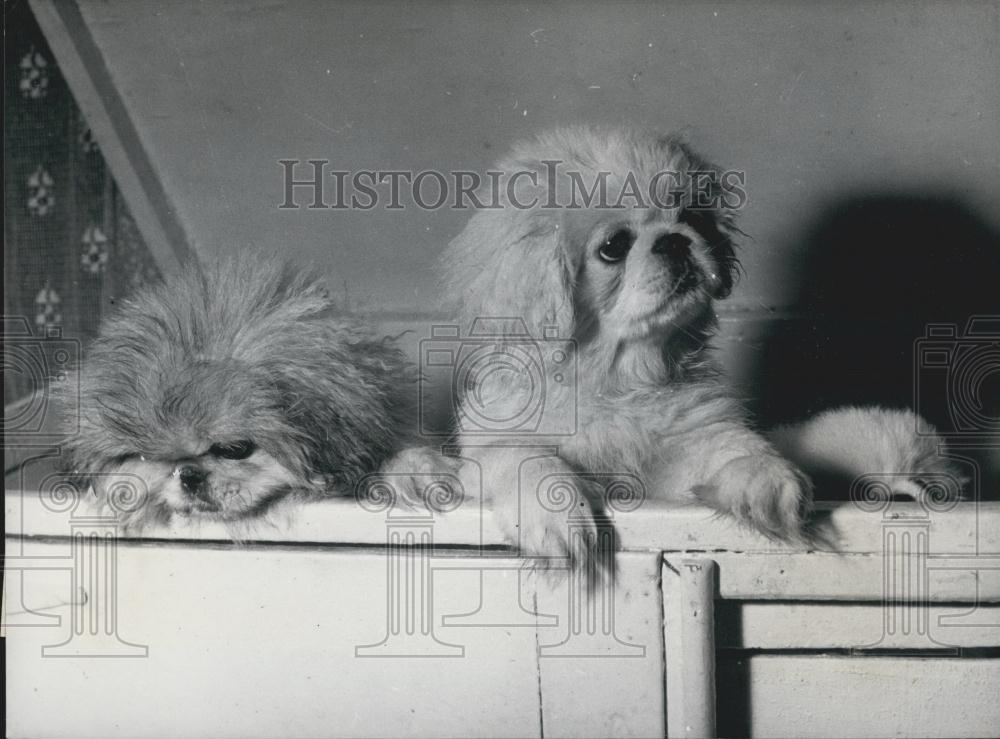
pixel 675 250
pixel 194 482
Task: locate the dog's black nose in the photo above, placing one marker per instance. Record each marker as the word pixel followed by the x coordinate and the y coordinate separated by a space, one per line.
pixel 193 480
pixel 675 247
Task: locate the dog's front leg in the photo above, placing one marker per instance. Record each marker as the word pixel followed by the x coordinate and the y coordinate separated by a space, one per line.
pixel 733 469
pixel 537 500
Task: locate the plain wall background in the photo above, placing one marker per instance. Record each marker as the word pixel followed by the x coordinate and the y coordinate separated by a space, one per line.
pixel 814 101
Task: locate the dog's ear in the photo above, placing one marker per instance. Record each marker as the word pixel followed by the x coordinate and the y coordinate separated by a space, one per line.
pixel 711 211
pixel 715 226
pixel 512 264
pixel 344 395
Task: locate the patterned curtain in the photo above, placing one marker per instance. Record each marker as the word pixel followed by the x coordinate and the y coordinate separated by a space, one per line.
pixel 71 247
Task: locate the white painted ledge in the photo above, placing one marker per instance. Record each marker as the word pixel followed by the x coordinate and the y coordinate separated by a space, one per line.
pixel 967 529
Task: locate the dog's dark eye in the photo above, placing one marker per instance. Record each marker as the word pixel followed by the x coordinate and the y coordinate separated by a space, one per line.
pixel 616 247
pixel 233 449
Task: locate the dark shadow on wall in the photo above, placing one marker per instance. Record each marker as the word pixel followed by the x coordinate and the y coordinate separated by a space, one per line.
pixel 880 269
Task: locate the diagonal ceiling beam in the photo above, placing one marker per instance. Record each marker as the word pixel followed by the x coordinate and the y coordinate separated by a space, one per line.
pixel 82 65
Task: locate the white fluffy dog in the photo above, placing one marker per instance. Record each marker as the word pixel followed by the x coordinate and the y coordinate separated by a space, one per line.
pixel 631 281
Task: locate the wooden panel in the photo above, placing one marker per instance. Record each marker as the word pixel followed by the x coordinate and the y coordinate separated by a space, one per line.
pixel 685 691
pixel 245 643
pixel 766 625
pixel 967 529
pixel 224 629
pixel 602 670
pixel 817 696
pixel 822 576
pixel 783 695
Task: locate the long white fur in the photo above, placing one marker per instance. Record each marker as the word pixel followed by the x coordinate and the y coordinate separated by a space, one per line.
pixel 650 402
pixel 846 445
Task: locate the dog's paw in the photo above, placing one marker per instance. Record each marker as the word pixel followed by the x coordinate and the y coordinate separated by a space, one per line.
pixel 420 479
pixel 554 526
pixel 545 510
pixel 419 461
pixel 554 540
pixel 765 492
